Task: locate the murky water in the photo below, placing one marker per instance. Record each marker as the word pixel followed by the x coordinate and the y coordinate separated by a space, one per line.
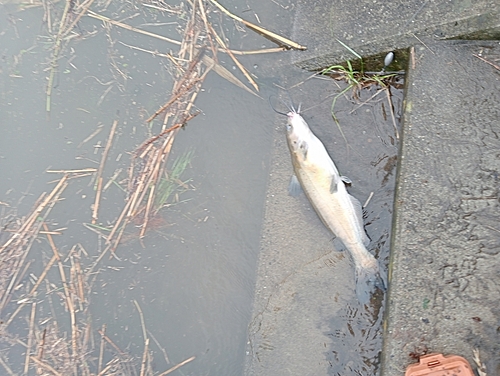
pixel 193 276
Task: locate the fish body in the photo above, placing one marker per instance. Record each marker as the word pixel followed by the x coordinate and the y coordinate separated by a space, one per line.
pixel 340 212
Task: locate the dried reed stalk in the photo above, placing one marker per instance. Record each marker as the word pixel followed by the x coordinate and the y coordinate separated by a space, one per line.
pixel 30 338
pixel 391 107
pixel 100 171
pixel 69 296
pixel 45 366
pixel 149 159
pixel 18 238
pixel 268 34
pixel 175 368
pixel 101 349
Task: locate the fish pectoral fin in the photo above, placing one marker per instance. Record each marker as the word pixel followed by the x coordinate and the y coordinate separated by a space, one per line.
pixel 346 180
pixel 294 188
pixel 333 185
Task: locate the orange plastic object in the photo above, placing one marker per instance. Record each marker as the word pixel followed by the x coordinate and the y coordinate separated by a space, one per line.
pixel 439 365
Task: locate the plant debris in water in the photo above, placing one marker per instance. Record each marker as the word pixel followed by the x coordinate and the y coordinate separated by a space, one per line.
pixel 45 303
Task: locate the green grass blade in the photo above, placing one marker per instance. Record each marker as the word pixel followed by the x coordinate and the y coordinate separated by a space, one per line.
pixel 349 49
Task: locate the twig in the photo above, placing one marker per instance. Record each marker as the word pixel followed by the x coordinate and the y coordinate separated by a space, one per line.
pixel 481 367
pixel 226 74
pixel 238 64
pixel 143 325
pixel 113 180
pixel 235 52
pixel 85 8
pixel 6 366
pixel 275 37
pixel 45 365
pixel 392 112
pixel 161 157
pixel 42 345
pixel 101 349
pixel 100 171
pixel 131 28
pixel 75 280
pixel 421 41
pixel 81 170
pixel 174 368
pixel 92 135
pixel 165 355
pixel 107 339
pixel 55 56
pixel 144 182
pixel 257 52
pixel 207 25
pixel 14 280
pixel 36 213
pixel 368 200
pixel 487 61
pixel 32 292
pixel 365 102
pixel 89 227
pixel 180 89
pixel 111 363
pixel 53 232
pixel 148 209
pixel 172 100
pixel 412 57
pixel 118 221
pixel 163 133
pixel 67 293
pixel 144 357
pixel 30 338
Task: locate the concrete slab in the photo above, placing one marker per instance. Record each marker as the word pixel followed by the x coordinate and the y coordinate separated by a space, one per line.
pixel 444 293
pixel 377 26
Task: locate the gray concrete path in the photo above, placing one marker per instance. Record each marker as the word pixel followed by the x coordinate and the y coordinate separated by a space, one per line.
pixel 378 26
pixel 444 276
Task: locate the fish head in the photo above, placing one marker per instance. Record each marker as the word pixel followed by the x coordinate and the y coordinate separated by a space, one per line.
pixel 298 132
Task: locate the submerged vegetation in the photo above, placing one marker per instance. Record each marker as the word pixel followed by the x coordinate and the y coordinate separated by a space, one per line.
pixel 46 326
pixel 171 182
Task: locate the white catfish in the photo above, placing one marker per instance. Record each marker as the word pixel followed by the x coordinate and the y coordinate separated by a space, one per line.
pixel 325 189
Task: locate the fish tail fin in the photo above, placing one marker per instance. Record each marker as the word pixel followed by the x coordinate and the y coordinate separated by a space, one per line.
pixel 368 280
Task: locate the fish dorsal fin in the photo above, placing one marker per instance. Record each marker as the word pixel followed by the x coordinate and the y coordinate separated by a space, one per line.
pixel 294 188
pixel 358 213
pixel 346 180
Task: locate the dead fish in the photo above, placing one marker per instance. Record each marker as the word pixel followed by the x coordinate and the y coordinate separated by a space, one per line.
pixel 340 212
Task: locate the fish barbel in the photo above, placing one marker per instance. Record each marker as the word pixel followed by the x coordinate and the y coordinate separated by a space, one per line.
pixel 339 211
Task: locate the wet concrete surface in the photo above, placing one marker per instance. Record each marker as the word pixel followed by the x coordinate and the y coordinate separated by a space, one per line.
pixel 374 27
pixel 443 294
pixel 306 318
pixel 445 265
